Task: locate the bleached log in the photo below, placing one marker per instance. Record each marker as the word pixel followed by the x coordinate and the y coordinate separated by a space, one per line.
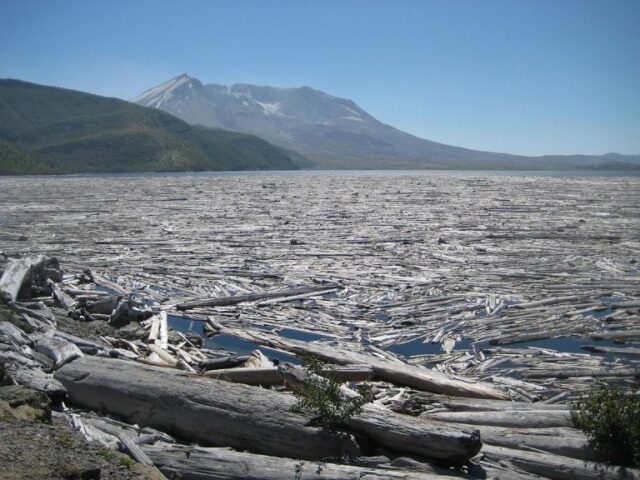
pixel 154 330
pixel 461 404
pixel 558 468
pixel 197 463
pixel 163 354
pixel 37 380
pixel 61 297
pixel 234 300
pixel 394 372
pixel 617 335
pixel 297 297
pixel 199 410
pixel 103 305
pixel 217 413
pixel 417 436
pixel 514 419
pixel 257 360
pixel 86 346
pixel 57 349
pixel 583 372
pixel 134 450
pixel 164 332
pixel 13 277
pixel 9 332
pixel 546 302
pixel 265 377
pixel 272 376
pixel 567 442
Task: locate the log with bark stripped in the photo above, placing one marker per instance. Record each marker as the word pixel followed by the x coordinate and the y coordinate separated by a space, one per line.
pixel 392 371
pixel 218 413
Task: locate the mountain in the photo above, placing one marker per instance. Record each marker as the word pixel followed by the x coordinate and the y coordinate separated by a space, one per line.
pixel 333 132
pixel 54 130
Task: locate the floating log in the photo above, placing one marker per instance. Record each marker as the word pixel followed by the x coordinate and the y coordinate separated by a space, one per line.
pixel 197 463
pixel 617 335
pixel 599 349
pixel 223 362
pixel 394 372
pixel 270 376
pixel 265 377
pixel 595 373
pixel 460 404
pixel 252 297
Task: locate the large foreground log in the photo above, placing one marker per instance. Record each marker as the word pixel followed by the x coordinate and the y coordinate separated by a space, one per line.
pixel 250 418
pixel 398 372
pixel 200 410
pixel 190 463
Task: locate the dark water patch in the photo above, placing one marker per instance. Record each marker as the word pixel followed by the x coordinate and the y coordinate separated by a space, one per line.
pixel 600 313
pixel 228 343
pixel 383 317
pixel 564 345
pixel 184 324
pixel 244 347
pixel 608 299
pixel 110 291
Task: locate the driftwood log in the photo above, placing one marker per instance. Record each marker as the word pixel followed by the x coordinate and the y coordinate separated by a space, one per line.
pixel 252 297
pixel 13 277
pixel 391 371
pixel 218 413
pixel 272 376
pixel 558 468
pixel 193 463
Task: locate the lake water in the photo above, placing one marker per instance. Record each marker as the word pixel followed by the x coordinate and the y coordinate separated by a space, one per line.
pixel 379 173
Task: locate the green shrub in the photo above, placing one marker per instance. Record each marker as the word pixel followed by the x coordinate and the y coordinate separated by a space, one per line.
pixel 320 396
pixel 611 419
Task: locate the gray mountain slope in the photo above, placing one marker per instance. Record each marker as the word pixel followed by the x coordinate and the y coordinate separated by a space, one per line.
pixel 334 132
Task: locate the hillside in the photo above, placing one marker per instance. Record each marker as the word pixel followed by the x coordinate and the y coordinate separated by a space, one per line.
pixel 335 132
pixel 54 130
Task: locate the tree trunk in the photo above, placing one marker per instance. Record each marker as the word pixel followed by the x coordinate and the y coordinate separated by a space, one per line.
pixel 194 463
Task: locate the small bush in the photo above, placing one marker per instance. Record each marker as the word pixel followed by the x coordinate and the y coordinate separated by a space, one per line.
pixel 320 397
pixel 65 439
pixel 611 419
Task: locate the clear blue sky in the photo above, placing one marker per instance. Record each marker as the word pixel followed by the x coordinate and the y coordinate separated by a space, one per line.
pixel 530 77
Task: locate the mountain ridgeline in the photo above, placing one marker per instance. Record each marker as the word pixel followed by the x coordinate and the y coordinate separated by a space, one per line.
pixel 336 132
pixel 49 130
